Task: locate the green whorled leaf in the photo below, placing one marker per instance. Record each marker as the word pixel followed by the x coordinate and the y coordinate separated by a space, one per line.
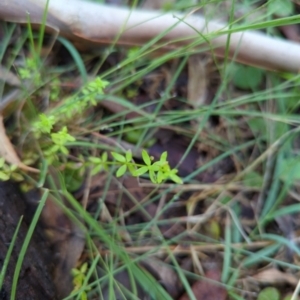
pixel 3 176
pixel 132 169
pixel 84 267
pixel 97 169
pixel 17 177
pixel 118 157
pixel 146 157
pixel 95 160
pixel 64 150
pixel 175 178
pixel 269 293
pixel 156 166
pixel 152 176
pixel 160 177
pixel 75 272
pixel 104 156
pixel 128 155
pixel 121 171
pixel 141 171
pixel 163 157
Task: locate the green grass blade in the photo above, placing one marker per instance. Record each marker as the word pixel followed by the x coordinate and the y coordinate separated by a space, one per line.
pixel 9 252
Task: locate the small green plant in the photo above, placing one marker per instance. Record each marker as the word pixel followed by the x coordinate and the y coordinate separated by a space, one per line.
pixel 81 101
pixel 9 171
pixel 54 89
pixel 79 276
pixel 30 71
pixel 158 171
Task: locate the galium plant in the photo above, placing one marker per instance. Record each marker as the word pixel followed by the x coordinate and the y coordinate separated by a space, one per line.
pixel 79 276
pixel 158 171
pixel 9 171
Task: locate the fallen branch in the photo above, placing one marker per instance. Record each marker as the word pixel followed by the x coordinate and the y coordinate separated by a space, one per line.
pixel 79 20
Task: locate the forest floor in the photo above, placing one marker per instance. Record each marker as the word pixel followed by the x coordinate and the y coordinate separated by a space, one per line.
pixel 225 226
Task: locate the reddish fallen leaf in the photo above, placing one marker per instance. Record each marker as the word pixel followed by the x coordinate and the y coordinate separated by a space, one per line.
pixel 204 289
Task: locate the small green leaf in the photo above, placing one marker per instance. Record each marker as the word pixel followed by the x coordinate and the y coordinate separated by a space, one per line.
pixel 121 171
pixel 95 160
pixel 269 293
pixel 160 177
pixel 64 150
pixel 118 157
pixel 141 171
pixel 97 169
pixel 152 176
pixel 163 157
pixel 3 176
pixel 83 268
pixel 128 155
pixel 104 156
pixel 176 178
pixel 146 157
pixel 156 166
pixel 17 177
pixel 131 169
pixel 75 272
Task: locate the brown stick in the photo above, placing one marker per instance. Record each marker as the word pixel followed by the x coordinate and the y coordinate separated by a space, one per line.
pixel 97 23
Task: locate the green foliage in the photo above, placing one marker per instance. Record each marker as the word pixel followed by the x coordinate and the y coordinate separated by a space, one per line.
pixel 133 136
pixel 269 293
pixel 30 71
pixel 246 78
pixel 54 90
pixel 158 171
pixel 9 171
pixel 99 163
pixel 59 139
pixel 79 276
pixel 45 123
pixel 281 8
pixel 81 101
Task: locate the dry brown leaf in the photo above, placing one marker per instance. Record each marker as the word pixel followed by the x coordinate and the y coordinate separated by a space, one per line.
pixel 274 276
pixel 166 275
pixel 204 289
pixel 8 152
